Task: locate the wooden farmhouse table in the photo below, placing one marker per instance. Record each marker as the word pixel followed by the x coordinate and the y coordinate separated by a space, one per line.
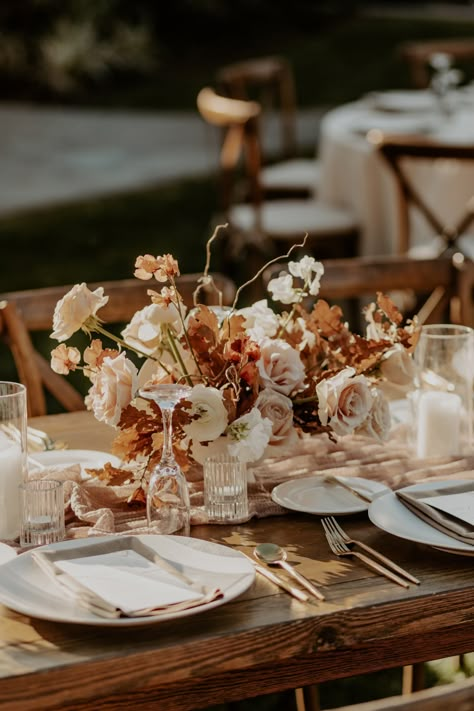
pixel 262 642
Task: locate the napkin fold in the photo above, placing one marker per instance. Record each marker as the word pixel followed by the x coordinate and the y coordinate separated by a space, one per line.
pixel 123 577
pixel 450 497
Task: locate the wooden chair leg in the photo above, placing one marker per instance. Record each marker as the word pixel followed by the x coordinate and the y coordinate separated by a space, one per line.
pixel 413 678
pixel 307 698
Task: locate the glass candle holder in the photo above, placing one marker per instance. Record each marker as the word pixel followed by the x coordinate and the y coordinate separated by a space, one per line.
pixel 42 512
pixel 13 456
pixel 444 392
pixel 225 489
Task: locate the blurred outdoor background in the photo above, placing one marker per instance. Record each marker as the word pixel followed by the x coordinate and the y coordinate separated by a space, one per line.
pixel 104 156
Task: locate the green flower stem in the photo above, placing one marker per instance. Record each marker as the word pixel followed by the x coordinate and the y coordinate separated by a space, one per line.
pixel 177 355
pixel 123 344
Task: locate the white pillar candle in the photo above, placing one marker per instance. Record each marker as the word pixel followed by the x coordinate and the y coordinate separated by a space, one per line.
pixel 438 424
pixel 10 478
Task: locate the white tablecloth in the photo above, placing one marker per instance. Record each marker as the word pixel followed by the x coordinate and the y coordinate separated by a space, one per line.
pixel 354 176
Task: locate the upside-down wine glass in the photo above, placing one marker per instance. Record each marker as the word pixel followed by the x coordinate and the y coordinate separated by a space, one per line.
pixel 167 506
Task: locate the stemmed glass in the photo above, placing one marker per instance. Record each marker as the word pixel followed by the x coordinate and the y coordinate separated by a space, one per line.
pixel 168 509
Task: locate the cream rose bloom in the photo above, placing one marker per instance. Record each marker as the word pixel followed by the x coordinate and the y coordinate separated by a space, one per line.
pixel 344 401
pixel 280 366
pixel 378 422
pixel 75 308
pixel 114 388
pixel 208 404
pixel 278 408
pixel 397 366
pixel 144 331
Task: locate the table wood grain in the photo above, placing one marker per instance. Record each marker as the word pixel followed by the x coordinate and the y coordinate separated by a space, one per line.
pixel 262 642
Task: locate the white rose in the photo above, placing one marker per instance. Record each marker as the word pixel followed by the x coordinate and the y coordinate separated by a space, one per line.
pixel 74 309
pixel 378 422
pixel 144 330
pixel 208 404
pixel 260 320
pixel 397 366
pixel 344 401
pixel 114 388
pixel 281 289
pixel 280 366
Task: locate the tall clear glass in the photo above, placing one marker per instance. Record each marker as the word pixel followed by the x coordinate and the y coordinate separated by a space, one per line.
pixel 13 456
pixel 444 359
pixel 168 508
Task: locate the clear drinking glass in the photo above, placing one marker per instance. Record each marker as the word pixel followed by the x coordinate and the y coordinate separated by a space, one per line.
pixel 225 489
pixel 168 509
pixel 443 399
pixel 42 512
pixel 13 456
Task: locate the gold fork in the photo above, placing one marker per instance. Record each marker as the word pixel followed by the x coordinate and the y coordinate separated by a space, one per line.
pixel 383 559
pixel 339 548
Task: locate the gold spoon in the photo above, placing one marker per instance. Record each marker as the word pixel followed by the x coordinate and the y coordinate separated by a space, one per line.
pixel 272 554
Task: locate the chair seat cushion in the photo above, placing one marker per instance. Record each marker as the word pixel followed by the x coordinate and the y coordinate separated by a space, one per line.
pixel 284 218
pixel 294 174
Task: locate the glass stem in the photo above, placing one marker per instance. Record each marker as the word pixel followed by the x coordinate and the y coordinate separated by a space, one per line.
pixel 167 456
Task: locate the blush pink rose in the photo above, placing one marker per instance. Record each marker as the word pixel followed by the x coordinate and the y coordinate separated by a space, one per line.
pixel 75 309
pixel 344 401
pixel 278 408
pixel 114 388
pixel 280 366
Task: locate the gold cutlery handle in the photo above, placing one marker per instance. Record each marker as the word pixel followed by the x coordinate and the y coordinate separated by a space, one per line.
pixel 302 580
pixel 389 563
pixel 380 569
pixel 337 481
pixel 298 594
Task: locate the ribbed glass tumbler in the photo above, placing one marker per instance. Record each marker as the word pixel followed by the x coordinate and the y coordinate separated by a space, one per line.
pixel 225 489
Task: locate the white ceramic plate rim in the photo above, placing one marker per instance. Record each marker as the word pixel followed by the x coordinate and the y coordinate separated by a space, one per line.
pixel 87 458
pixel 389 514
pixel 282 494
pixel 404 100
pixel 25 588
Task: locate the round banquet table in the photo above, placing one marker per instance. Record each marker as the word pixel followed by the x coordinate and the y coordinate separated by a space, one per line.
pixel 354 176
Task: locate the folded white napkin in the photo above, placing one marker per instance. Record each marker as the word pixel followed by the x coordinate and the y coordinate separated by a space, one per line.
pixel 450 508
pixel 123 578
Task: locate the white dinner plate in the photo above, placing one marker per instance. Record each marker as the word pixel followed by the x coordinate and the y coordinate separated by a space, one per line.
pixel 87 458
pixel 314 495
pixel 25 588
pixel 389 514
pixel 404 100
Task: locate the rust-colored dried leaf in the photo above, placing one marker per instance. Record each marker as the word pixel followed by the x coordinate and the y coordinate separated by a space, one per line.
pixel 115 476
pixel 137 499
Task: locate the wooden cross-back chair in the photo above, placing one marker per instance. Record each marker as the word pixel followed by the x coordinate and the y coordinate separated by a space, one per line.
pixel 418 54
pixel 400 153
pixel 270 81
pixel 262 227
pixel 23 313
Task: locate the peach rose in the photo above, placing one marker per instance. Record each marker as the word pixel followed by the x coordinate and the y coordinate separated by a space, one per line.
pixel 144 331
pixel 280 366
pixel 74 310
pixel 114 388
pixel 344 401
pixel 277 408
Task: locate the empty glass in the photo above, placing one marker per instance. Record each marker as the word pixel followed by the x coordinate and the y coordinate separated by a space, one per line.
pixel 42 512
pixel 13 454
pixel 225 489
pixel 443 400
pixel 168 508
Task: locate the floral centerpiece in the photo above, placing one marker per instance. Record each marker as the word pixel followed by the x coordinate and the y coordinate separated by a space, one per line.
pixel 262 378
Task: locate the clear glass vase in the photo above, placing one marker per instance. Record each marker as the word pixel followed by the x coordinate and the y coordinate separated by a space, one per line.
pixel 168 508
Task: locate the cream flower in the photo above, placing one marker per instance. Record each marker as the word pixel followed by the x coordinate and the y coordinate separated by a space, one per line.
pixel 378 422
pixel 280 366
pixel 208 404
pixel 278 408
pixel 249 435
pixel 114 388
pixel 344 401
pixel 144 331
pixel 304 269
pixel 397 366
pixel 281 288
pixel 75 309
pixel 260 320
pixel 64 359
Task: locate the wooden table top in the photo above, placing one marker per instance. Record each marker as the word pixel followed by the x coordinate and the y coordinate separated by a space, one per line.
pixel 262 642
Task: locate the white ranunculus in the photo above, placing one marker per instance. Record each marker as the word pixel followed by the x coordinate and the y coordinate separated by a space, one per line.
pixel 397 366
pixel 114 388
pixel 281 288
pixel 280 366
pixel 378 422
pixel 74 309
pixel 208 405
pixel 144 331
pixel 249 436
pixel 260 320
pixel 344 401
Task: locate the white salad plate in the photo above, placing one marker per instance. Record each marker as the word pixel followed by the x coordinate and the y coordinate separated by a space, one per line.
pixel 315 496
pixel 87 458
pixel 392 516
pixel 26 588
